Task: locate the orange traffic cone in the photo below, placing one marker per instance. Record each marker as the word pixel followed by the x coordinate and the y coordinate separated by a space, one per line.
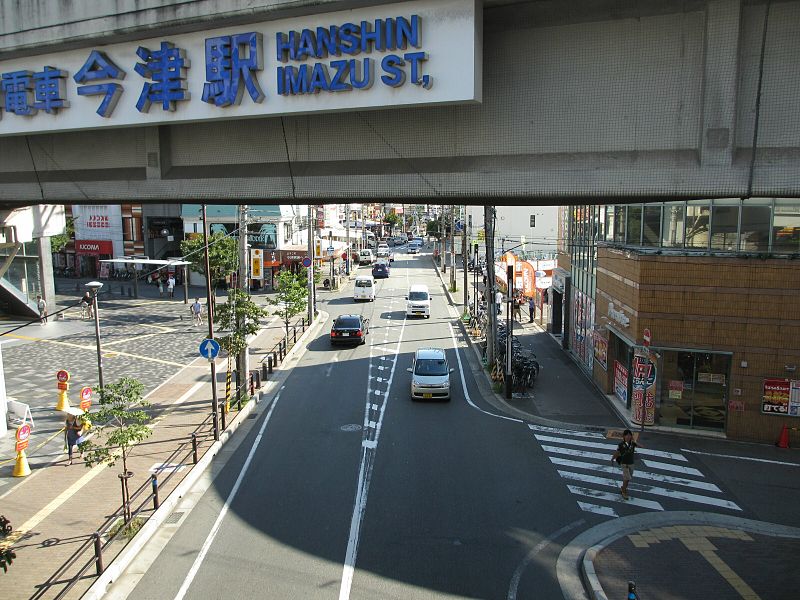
pixel 783 438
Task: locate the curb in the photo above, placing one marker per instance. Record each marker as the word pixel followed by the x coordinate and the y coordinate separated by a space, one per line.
pixel 575 565
pixel 118 566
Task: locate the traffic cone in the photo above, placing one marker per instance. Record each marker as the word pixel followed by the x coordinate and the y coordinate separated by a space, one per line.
pixel 783 438
pixel 21 467
pixel 63 401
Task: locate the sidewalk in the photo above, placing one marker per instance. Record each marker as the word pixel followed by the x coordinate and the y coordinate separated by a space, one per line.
pixel 686 555
pixel 58 507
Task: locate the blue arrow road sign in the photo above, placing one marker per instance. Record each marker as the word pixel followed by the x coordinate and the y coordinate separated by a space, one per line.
pixel 209 349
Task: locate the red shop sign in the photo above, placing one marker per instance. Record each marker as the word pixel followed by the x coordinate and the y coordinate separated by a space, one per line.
pixel 97 247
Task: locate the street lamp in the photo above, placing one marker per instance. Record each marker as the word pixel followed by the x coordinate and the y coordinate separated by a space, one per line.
pixel 94 288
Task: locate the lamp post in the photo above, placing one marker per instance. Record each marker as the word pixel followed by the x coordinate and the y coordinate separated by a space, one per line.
pixel 94 288
pixel 509 328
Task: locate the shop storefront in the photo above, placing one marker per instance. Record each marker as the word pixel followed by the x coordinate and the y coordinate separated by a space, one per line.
pixel 89 253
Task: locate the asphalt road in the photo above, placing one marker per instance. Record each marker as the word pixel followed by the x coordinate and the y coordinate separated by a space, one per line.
pixel 344 488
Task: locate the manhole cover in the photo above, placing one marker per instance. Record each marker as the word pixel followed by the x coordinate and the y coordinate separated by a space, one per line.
pixel 351 427
pixel 173 518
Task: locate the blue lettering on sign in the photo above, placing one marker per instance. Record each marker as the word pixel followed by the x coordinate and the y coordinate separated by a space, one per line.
pixel 96 68
pixel 167 68
pixel 233 60
pixel 18 93
pixel 49 90
pixel 380 35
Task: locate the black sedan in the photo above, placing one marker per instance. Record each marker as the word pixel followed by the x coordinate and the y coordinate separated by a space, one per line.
pixel 349 329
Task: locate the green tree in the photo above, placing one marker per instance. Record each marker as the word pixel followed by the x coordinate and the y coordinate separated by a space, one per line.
pixel 393 220
pixel 58 242
pixel 121 424
pixel 290 299
pixel 223 255
pixel 434 229
pixel 242 317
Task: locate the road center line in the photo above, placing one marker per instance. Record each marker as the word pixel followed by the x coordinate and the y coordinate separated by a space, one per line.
pixel 215 529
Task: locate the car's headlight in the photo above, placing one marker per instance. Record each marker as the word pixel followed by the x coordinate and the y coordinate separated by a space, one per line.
pixel 446 384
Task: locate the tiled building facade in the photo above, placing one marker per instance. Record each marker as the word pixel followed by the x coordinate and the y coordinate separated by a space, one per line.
pixel 719 328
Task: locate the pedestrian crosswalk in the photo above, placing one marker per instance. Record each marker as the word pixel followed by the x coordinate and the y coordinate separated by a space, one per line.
pixel 582 459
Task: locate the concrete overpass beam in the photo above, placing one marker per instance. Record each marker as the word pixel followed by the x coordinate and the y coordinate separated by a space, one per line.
pixel 721 70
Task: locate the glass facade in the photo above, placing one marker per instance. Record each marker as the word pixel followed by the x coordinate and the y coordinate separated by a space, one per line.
pixel 694 388
pixel 755 225
pixel 586 224
pixel 24 274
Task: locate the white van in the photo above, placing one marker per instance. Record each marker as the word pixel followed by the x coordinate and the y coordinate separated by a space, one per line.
pixel 364 288
pixel 365 257
pixel 418 301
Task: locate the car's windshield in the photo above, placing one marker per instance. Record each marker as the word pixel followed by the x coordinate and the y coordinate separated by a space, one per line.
pixel 418 296
pixel 347 323
pixel 363 283
pixel 430 367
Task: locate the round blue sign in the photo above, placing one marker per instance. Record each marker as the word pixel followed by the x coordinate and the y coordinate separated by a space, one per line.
pixel 306 262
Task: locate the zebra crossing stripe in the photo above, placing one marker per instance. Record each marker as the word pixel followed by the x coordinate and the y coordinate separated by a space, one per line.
pixel 702 485
pixel 600 510
pixel 654 464
pixel 573 452
pixel 585 434
pixel 610 447
pixel 609 497
pixel 647 489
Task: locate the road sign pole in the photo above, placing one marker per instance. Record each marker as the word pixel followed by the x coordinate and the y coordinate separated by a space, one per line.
pixel 210 302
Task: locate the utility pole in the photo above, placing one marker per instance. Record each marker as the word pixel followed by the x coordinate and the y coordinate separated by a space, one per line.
pixel 243 360
pixel 452 246
pixel 491 332
pixel 310 244
pixel 443 237
pixel 210 305
pixel 349 253
pixel 464 231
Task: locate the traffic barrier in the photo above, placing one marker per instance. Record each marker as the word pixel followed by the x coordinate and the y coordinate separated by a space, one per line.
pixel 21 466
pixel 783 438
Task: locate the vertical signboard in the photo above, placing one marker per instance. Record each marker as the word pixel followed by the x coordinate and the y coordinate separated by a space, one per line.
pixel 644 391
pixel 257 264
pixel 620 381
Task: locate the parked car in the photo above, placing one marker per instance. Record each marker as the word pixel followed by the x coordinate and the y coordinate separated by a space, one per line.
pixel 349 329
pixel 430 375
pixel 380 271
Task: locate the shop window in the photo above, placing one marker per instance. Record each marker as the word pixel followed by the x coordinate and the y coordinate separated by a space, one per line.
pixel 754 236
pixel 724 226
pixel 674 222
pixel 633 225
pixel 651 225
pixel 609 227
pixel 697 216
pixel 786 227
pixel 619 224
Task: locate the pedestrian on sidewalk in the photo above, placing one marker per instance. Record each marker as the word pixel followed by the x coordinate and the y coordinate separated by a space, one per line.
pixel 72 431
pixel 42 306
pixel 624 457
pixel 518 308
pixel 531 309
pixel 197 312
pixel 87 306
pixel 160 286
pixel 171 286
pixel 498 299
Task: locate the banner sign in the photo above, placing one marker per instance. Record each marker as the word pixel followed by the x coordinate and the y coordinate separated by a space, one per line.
pixel 644 391
pixel 781 397
pixel 620 381
pixel 601 350
pixel 404 54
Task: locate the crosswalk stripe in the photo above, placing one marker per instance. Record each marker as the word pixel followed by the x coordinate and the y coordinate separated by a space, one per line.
pixel 647 489
pixel 702 485
pixel 611 447
pixel 574 452
pixel 586 434
pixel 600 510
pixel 654 464
pixel 609 497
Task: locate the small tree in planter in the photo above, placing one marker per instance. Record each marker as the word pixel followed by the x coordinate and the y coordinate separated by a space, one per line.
pixel 290 299
pixel 120 425
pixel 242 317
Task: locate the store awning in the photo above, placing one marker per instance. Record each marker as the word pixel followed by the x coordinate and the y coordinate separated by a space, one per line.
pixel 146 261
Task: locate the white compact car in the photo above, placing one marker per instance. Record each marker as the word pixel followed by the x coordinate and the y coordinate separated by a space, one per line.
pixel 430 375
pixel 418 301
pixel 364 288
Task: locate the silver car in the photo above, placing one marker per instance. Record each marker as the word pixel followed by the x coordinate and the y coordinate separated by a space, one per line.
pixel 430 375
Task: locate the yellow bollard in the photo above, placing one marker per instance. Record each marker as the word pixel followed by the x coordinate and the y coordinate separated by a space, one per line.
pixel 21 467
pixel 63 401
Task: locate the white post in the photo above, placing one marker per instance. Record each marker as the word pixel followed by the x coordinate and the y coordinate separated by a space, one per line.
pixel 3 398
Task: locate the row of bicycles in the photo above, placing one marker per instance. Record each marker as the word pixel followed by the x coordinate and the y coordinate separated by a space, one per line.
pixel 524 365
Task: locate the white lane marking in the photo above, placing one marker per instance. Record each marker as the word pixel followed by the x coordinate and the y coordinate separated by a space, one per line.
pixel 215 529
pixel 612 447
pixel 517 576
pixel 378 392
pixel 335 359
pixel 654 464
pixel 600 510
pixel 649 489
pixel 761 460
pixel 574 452
pixel 372 424
pixel 464 383
pixel 366 464
pixel 701 485
pixel 609 497
pixel 374 407
pixel 586 434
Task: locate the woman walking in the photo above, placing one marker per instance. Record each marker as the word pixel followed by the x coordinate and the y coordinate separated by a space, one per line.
pixel 72 430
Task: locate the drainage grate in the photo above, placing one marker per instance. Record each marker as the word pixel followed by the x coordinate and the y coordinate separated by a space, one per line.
pixel 173 518
pixel 252 416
